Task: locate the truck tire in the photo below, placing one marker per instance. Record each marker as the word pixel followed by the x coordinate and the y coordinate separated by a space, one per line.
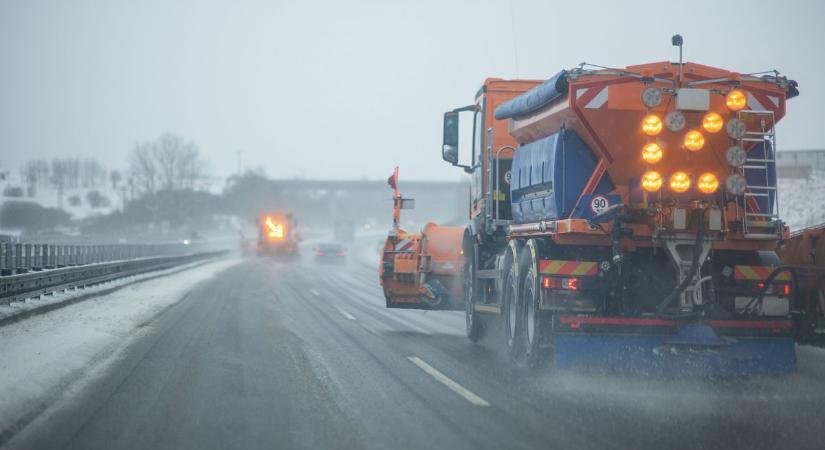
pixel 511 306
pixel 472 319
pixel 533 331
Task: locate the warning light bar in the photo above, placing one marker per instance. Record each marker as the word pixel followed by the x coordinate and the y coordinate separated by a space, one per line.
pixel 275 230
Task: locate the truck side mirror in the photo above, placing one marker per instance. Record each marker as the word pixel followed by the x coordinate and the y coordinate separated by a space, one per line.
pixel 449 148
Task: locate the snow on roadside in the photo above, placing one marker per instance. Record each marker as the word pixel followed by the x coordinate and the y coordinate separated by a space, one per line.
pixel 44 355
pixel 16 308
pixel 802 201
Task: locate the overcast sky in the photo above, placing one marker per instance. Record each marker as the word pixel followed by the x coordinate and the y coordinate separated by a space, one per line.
pixel 344 89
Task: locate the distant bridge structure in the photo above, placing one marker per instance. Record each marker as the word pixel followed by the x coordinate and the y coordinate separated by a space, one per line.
pixel 318 203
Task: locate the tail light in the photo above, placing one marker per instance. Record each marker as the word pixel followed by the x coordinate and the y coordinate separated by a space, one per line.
pixel 781 289
pixel 569 284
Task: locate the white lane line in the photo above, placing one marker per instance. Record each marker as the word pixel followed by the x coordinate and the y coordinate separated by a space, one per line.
pixel 346 314
pixel 446 381
pixel 315 293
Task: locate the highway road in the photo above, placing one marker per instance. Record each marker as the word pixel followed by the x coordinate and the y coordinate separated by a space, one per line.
pixel 271 354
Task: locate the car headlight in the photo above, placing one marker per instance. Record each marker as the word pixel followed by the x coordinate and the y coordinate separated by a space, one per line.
pixel 736 184
pixel 736 156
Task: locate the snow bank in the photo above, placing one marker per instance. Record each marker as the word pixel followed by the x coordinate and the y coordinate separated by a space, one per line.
pixel 802 201
pixel 44 355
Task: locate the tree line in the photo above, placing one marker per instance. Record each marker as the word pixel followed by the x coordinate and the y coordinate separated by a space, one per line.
pixel 168 162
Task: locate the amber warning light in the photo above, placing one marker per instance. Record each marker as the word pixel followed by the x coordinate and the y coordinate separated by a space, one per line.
pixel 274 230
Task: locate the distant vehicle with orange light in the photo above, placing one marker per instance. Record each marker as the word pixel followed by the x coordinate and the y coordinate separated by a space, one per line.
pixel 620 218
pixel 278 235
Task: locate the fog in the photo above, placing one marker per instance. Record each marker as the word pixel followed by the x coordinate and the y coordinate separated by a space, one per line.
pixel 344 90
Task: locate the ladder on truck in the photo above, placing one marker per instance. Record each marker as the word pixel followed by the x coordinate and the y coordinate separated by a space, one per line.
pixel 759 223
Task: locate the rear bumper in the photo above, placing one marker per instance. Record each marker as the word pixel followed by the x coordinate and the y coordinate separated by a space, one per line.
pixel 580 324
pixel 657 347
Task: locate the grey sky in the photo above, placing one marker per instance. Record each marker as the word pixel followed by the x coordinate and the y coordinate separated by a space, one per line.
pixel 344 89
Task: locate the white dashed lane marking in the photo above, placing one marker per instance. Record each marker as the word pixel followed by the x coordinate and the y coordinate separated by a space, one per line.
pixel 446 381
pixel 346 314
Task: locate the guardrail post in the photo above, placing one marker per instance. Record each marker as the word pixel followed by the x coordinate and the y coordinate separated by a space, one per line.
pixel 27 256
pixel 48 256
pixel 18 258
pixel 5 259
pixel 36 260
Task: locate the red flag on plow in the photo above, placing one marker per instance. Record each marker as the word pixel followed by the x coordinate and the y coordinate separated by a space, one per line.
pixel 393 180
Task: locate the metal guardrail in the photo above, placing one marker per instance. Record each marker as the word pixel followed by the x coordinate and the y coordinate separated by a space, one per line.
pixel 17 258
pixel 84 267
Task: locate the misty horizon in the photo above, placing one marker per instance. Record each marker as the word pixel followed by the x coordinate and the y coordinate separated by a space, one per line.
pixel 336 90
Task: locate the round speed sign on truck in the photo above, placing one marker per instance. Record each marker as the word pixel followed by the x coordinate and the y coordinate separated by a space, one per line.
pixel 598 203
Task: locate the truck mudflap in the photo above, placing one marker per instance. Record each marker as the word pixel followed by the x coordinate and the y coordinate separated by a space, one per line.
pixel 661 347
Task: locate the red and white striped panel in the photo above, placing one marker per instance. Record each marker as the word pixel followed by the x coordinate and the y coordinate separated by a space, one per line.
pixel 758 101
pixel 404 245
pixel 591 98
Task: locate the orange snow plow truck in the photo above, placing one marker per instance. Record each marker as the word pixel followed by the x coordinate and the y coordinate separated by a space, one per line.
pixel 620 219
pixel 277 235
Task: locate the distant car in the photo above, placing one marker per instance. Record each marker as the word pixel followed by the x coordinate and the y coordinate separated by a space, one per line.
pixel 330 252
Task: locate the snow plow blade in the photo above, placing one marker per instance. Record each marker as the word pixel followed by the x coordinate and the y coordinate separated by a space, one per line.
pixel 654 347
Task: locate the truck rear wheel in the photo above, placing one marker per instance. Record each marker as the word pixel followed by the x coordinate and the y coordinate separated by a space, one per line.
pixel 534 327
pixel 473 321
pixel 511 306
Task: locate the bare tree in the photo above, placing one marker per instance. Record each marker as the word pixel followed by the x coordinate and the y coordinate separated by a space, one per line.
pixel 168 162
pixel 144 168
pixel 65 173
pixel 36 173
pixel 92 173
pixel 115 178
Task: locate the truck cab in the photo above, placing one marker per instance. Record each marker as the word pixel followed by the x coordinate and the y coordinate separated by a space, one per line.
pixel 491 153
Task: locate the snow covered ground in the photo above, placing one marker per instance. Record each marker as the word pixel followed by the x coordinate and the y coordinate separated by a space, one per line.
pixel 44 358
pixel 48 197
pixel 802 201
